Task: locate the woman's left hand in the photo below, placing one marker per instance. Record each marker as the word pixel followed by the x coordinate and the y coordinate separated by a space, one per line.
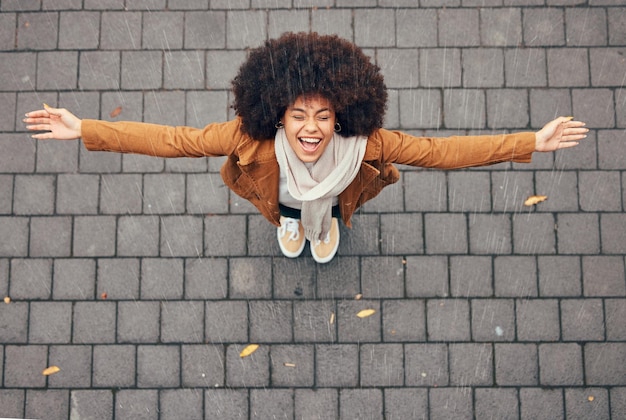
pixel 560 133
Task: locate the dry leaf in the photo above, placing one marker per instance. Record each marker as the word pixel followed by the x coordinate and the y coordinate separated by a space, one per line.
pixel 7 300
pixel 248 350
pixel 591 398
pixel 50 371
pixel 365 313
pixel 535 199
pixel 358 296
pixel 287 364
pixel 104 295
pixel 117 111
pixel 332 318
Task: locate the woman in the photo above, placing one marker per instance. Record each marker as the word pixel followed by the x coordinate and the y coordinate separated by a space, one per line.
pixel 307 146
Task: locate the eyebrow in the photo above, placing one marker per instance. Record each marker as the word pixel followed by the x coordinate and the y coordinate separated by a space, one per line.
pixel 317 112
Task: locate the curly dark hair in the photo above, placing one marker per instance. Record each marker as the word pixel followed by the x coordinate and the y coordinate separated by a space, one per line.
pixel 295 64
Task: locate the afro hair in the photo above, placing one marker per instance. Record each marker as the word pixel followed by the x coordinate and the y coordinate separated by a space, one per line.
pixel 297 64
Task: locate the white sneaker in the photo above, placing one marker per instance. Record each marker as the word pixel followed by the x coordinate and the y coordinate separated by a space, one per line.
pixel 291 237
pixel 324 251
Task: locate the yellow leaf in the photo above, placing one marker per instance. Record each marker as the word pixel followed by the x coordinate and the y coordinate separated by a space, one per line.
pixel 332 318
pixel 50 371
pixel 535 199
pixel 248 350
pixel 365 313
pixel 287 364
pixel 7 300
pixel 358 296
pixel 590 398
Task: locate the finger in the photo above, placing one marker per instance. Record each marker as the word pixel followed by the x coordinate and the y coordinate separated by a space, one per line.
pixel 38 127
pixel 36 120
pixel 38 113
pixel 567 144
pixel 43 136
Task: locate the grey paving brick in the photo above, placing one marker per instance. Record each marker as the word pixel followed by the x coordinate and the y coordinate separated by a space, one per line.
pixel 206 278
pixel 7 33
pixel 381 365
pixel 519 70
pixel 225 235
pixel 586 27
pixel 549 103
pixel 540 403
pixel 406 403
pixel 516 364
pixel 471 276
pixel 426 191
pixel 352 328
pixel 103 4
pixel 186 4
pixel 450 403
pixel 382 276
pixel 483 68
pixel 471 364
pixel 31 279
pixel 271 321
pixel 604 363
pixel 14 323
pixel 400 67
pixel 99 70
pixel 250 278
pixel 14 145
pixel 226 403
pixel 37 31
pixel 587 101
pixel 409 19
pixel 121 194
pixel 603 276
pixel 338 278
pixel 158 366
pixel 34 194
pixel 578 233
pixel 12 401
pixel 79 30
pixel 361 403
pixel 262 237
pixel 316 403
pixel 446 233
pixel 161 278
pixel 490 234
pixel 50 236
pixel 507 108
pixel 206 106
pixel 226 321
pixel 181 236
pixel 50 322
pixel 118 278
pixel 137 322
pixel 404 320
pixel 464 108
pixel 501 27
pixel 202 365
pixel 618 401
pixel 312 321
pixel 120 30
pixel 458 27
pixel 77 194
pixel 292 365
pixel 469 191
pixel 615 310
pixel 74 279
pixel 336 365
pixel 4 277
pixel 610 154
pixel 559 275
pixel 271 403
pixel 515 276
pixel 62 64
pixel 164 193
pixel 145 4
pixel 57 157
pixel 75 362
pixel 251 371
pixel 94 322
pixel 600 191
pixel 582 320
pixel 182 322
pixel 426 365
pixel 363 238
pixel 537 320
pixel 543 26
pixel 137 404
pixel 448 320
pixel 560 364
pixel 113 366
pixel 294 278
pixel 162 30
pixel 493 320
pixel 363 21
pixel 280 21
pixel 93 236
pixel 617 28
pixel 420 108
pixel 401 234
pixel 605 66
pixel 177 403
pixel 587 403
pixel 48 403
pixel 154 112
pixel 84 403
pixel 183 69
pixel 235 37
pixel 496 403
pixel 440 67
pixel 23 366
pixel 568 67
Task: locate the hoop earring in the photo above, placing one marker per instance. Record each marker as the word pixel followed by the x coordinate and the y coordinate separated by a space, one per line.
pixel 279 124
pixel 337 127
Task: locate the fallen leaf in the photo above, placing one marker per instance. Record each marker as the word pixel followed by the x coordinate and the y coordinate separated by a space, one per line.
pixel 365 313
pixel 358 296
pixel 50 371
pixel 7 300
pixel 591 398
pixel 104 295
pixel 287 364
pixel 248 350
pixel 117 111
pixel 535 199
pixel 332 318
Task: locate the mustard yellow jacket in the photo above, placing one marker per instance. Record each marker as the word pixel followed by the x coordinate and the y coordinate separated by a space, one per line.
pixel 252 171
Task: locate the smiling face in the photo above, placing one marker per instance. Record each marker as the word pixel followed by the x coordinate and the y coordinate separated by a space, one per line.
pixel 309 126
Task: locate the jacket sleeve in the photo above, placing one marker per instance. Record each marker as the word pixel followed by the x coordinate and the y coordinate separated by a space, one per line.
pixel 217 139
pixel 455 152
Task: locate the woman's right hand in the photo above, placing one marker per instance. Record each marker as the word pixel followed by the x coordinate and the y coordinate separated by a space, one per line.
pixel 56 123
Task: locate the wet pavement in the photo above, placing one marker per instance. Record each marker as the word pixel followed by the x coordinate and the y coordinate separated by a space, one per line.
pixel 143 279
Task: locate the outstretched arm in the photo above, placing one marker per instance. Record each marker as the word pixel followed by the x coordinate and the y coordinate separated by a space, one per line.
pixel 54 123
pixel 560 133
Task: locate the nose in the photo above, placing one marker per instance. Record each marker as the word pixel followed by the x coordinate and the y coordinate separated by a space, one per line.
pixel 311 125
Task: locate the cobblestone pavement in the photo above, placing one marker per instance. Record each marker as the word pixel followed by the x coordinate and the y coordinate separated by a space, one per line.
pixel 142 279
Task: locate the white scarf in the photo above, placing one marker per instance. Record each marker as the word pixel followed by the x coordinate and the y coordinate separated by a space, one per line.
pixel 330 175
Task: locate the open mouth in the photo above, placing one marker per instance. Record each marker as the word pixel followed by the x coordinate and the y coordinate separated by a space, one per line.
pixel 309 144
